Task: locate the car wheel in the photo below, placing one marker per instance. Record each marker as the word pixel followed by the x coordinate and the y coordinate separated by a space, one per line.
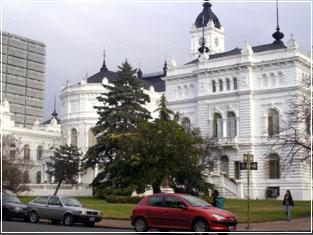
pixel 200 225
pixel 89 224
pixel 6 215
pixel 68 220
pixel 34 217
pixel 140 225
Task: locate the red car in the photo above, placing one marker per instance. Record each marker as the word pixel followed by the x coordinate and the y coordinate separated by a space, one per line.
pixel 180 212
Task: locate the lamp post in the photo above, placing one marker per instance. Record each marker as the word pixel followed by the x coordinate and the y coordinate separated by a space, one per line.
pixel 248 158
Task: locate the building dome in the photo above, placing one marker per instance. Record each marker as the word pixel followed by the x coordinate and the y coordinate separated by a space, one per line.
pixel 104 72
pixel 207 15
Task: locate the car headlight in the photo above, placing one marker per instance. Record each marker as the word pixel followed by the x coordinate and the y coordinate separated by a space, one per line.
pixel 218 217
pixel 83 212
pixel 17 208
pixel 100 213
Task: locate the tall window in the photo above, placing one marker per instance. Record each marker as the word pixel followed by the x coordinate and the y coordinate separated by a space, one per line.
pixel 231 124
pixel 274 168
pixel 92 140
pixel 186 124
pixel 12 152
pixel 225 164
pixel 237 170
pixel 220 84
pixel 74 137
pixel 39 152
pixel 235 83
pixel 273 122
pixel 227 84
pixel 217 125
pixel 213 86
pixel 38 177
pixel 25 177
pixel 26 152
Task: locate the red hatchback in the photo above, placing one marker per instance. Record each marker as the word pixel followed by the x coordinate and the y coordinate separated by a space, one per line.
pixel 180 212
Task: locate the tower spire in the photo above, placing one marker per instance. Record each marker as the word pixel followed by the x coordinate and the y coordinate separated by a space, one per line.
pixel 277 35
pixel 54 114
pixel 203 48
pixel 104 67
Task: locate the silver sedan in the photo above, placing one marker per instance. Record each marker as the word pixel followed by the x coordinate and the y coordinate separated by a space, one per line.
pixel 58 208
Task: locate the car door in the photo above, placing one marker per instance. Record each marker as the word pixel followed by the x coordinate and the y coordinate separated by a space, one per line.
pixel 54 209
pixel 40 205
pixel 177 215
pixel 155 211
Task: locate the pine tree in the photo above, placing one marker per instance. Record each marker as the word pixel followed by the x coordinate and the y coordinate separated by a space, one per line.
pixel 120 111
pixel 64 165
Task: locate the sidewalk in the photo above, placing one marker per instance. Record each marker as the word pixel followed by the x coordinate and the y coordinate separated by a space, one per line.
pixel 298 225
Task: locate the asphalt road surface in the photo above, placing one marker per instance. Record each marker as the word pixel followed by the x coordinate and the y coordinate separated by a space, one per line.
pixel 21 226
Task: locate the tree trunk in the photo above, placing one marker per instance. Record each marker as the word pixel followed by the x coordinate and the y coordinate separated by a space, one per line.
pixel 156 188
pixel 57 188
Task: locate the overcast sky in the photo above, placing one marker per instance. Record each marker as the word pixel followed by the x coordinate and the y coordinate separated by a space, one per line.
pixel 76 33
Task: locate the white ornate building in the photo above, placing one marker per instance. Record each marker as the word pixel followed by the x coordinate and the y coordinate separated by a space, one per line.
pixel 240 99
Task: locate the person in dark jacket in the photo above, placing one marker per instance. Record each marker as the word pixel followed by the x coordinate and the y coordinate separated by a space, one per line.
pixel 288 204
pixel 214 196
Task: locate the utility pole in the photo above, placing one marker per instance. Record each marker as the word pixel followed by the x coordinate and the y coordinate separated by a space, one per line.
pixel 248 158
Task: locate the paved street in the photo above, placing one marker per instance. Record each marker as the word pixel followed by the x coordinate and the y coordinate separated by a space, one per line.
pixel 20 226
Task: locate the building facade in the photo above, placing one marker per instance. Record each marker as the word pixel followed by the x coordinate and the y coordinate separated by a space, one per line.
pixel 240 99
pixel 23 78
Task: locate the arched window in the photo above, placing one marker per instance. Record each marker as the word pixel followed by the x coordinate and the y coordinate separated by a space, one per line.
pixel 231 124
pixel 186 124
pixel 217 125
pixel 220 84
pixel 235 83
pixel 39 152
pixel 92 140
pixel 74 137
pixel 38 177
pixel 25 177
pixel 26 152
pixel 273 122
pixel 227 84
pixel 12 152
pixel 274 168
pixel 213 86
pixel 180 92
pixel 225 164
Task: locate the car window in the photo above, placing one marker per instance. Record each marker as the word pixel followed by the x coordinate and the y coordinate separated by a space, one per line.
pixel 173 202
pixel 156 201
pixel 195 201
pixel 41 200
pixel 54 201
pixel 11 199
pixel 70 201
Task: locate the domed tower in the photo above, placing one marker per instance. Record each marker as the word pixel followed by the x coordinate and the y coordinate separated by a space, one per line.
pixel 208 27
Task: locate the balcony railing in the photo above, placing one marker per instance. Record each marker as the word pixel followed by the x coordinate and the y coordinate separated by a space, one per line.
pixel 228 141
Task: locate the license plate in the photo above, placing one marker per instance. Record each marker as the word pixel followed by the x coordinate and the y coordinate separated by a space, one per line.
pixel 231 228
pixel 92 219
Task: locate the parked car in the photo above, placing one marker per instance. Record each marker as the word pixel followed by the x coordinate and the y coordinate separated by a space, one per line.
pixel 12 207
pixel 180 212
pixel 58 208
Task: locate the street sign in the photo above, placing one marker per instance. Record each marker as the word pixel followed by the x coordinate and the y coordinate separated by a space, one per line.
pixel 247 157
pixel 244 166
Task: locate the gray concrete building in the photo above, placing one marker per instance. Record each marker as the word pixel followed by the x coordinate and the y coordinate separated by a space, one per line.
pixel 23 77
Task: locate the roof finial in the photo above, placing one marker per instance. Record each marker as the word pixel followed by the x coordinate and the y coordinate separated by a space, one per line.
pixel 277 35
pixel 139 72
pixel 104 67
pixel 54 114
pixel 203 48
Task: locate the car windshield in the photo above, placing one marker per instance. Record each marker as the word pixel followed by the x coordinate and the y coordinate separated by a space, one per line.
pixel 195 201
pixel 70 201
pixel 11 199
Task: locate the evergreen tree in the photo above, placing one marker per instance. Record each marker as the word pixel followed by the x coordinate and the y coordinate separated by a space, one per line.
pixel 65 165
pixel 120 112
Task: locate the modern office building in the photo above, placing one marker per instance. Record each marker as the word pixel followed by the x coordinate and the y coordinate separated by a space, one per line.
pixel 23 78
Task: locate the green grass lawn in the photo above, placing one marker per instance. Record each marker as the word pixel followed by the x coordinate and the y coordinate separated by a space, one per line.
pixel 261 210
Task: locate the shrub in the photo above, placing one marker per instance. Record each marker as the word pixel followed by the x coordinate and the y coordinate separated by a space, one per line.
pixel 121 199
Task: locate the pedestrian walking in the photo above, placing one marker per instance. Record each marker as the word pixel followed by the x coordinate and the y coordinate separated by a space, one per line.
pixel 214 196
pixel 288 204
